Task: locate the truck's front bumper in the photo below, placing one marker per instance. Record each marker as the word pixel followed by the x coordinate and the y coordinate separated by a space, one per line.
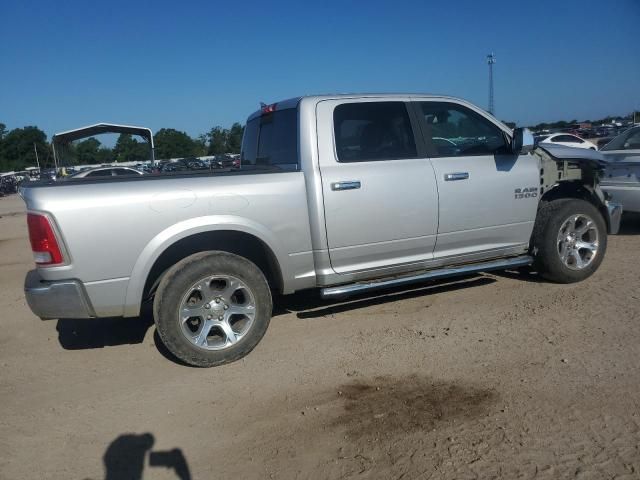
pixel 59 299
pixel 614 212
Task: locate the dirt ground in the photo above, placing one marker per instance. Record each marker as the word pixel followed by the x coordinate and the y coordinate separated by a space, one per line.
pixel 491 376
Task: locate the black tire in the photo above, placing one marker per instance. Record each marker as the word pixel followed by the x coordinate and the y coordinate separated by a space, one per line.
pixel 175 285
pixel 544 241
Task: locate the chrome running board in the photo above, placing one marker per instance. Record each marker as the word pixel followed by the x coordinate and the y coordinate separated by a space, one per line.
pixel 379 284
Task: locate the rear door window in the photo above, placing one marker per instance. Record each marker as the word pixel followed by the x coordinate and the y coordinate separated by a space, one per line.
pixel 373 131
pixel 566 139
pixel 100 173
pixel 271 140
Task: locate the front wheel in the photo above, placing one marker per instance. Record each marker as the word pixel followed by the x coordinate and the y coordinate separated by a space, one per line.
pixel 569 240
pixel 212 308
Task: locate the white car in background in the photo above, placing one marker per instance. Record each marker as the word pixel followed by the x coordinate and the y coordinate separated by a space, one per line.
pixel 567 140
pixel 106 171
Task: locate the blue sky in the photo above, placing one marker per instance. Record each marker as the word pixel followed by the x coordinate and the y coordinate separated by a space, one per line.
pixel 194 65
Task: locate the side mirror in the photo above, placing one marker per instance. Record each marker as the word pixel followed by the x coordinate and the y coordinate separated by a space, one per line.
pixel 522 141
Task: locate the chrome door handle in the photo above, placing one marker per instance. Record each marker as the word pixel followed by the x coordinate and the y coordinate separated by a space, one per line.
pixel 449 177
pixel 349 185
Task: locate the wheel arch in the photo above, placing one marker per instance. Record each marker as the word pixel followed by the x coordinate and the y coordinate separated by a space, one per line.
pixel 579 191
pixel 170 247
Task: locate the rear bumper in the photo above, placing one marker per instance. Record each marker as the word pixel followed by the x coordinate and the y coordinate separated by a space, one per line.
pixel 614 214
pixel 59 299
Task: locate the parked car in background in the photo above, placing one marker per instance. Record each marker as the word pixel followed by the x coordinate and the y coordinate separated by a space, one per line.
pixel 195 164
pixel 8 183
pixel 627 143
pixel 568 140
pixel 49 174
pixel 170 167
pixel 585 133
pixel 144 167
pixel 622 175
pixel 106 171
pixel 602 141
pixel 225 161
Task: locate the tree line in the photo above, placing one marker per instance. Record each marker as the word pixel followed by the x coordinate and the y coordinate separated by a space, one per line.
pixel 18 147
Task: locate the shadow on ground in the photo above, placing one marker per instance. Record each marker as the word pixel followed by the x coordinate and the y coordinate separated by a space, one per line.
pixel 127 456
pixel 89 333
pixel 523 274
pixel 82 334
pixel 630 224
pixel 308 304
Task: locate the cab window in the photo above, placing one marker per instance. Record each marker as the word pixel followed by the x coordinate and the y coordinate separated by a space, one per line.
pixel 453 130
pixel 373 131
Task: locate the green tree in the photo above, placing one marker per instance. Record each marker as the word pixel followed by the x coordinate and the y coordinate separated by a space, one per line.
pixel 201 145
pixel 217 141
pixel 171 143
pixel 234 139
pixel 222 140
pixel 105 155
pixel 128 149
pixel 17 149
pixel 87 151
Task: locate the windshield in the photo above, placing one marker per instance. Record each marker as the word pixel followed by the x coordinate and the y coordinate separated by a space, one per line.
pixel 271 140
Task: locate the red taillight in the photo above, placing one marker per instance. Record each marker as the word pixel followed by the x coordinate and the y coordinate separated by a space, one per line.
pixel 43 241
pixel 269 108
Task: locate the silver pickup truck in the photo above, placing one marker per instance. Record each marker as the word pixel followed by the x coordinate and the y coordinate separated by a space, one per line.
pixel 345 193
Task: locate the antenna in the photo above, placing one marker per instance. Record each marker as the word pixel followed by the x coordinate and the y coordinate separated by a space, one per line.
pixel 37 160
pixel 491 59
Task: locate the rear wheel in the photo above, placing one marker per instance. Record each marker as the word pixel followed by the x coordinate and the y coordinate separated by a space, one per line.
pixel 212 308
pixel 569 240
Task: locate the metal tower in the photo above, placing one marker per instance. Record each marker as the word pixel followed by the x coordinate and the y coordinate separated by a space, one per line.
pixel 491 59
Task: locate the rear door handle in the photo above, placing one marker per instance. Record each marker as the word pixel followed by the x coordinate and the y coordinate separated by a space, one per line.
pixel 450 177
pixel 348 185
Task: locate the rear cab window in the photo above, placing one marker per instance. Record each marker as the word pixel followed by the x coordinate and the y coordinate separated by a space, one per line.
pixel 270 141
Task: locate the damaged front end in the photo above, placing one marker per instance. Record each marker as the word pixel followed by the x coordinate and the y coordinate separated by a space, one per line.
pixel 574 172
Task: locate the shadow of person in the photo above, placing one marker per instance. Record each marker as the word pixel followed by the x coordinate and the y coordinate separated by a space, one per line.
pixel 125 458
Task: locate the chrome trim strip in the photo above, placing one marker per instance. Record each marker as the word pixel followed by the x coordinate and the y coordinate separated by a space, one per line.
pixel 351 289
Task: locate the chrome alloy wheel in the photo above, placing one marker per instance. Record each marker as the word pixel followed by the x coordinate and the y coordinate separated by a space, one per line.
pixel 578 241
pixel 216 312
